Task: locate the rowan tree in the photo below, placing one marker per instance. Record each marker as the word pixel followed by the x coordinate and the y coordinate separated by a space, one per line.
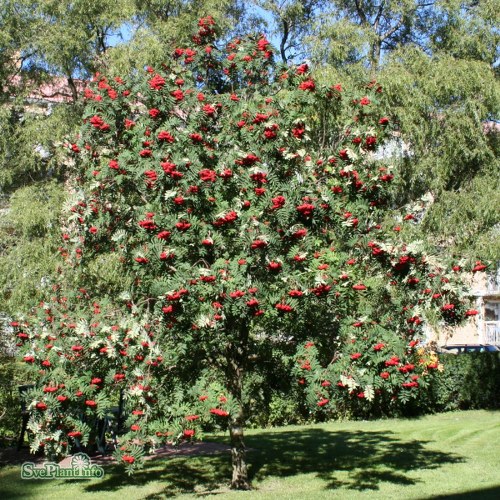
pixel 224 208
pixel 439 65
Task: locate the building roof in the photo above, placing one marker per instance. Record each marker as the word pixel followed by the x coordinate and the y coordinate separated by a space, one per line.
pixel 56 91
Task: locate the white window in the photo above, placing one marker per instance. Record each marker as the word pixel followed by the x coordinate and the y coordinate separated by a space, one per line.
pixel 492 321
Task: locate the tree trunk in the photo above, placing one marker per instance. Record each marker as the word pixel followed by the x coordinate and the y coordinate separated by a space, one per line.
pixel 74 90
pixel 284 39
pixel 236 363
pixel 375 56
pixel 239 479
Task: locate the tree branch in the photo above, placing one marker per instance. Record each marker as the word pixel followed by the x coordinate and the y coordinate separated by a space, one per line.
pixel 72 86
pixel 379 14
pixel 361 12
pixel 284 39
pixel 393 30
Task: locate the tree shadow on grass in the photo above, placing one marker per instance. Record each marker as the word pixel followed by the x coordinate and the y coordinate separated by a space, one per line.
pixel 363 459
pixel 177 475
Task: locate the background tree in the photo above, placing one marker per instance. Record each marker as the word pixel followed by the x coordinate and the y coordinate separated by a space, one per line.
pixel 291 22
pixel 156 25
pixel 224 212
pixel 452 158
pixel 386 25
pixel 438 62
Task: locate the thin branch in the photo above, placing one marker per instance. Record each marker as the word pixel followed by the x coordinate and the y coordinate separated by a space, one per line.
pixel 379 13
pixel 361 12
pixel 393 30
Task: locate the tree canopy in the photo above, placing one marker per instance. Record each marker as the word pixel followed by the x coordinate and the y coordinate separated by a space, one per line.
pixel 226 210
pixel 437 61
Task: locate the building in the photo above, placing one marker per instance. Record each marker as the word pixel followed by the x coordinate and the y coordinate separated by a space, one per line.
pixel 484 328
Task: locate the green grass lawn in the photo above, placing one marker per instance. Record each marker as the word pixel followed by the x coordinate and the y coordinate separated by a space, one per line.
pixel 451 455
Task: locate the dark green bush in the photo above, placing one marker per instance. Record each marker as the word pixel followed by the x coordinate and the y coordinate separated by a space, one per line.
pixel 10 406
pixel 469 381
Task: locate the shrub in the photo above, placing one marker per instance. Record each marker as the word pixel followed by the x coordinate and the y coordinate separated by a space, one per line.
pixel 469 381
pixel 10 407
pixel 284 410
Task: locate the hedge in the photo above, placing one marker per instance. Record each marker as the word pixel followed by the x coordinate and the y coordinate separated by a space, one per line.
pixel 469 381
